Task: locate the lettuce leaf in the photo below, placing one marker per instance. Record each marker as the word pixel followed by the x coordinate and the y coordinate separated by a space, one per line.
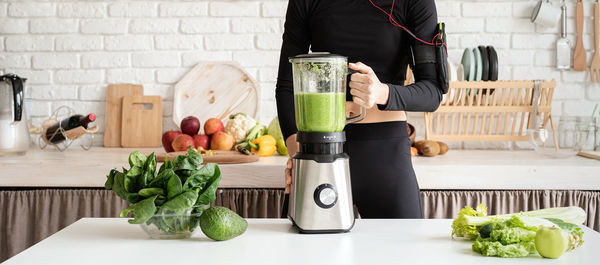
pixel 460 226
pixel 487 247
pixel 510 238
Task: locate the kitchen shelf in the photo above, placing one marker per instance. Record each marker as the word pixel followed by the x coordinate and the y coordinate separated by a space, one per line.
pixel 490 111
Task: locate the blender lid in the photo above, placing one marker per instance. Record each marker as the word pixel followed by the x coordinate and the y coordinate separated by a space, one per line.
pixel 318 55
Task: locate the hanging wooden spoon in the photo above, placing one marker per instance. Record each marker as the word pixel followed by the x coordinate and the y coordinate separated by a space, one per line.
pixel 595 65
pixel 579 54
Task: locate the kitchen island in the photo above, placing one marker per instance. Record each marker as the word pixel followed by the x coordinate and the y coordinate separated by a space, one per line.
pixel 274 241
pixel 45 191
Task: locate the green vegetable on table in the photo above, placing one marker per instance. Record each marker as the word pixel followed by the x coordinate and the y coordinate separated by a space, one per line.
pixel 469 220
pixel 257 130
pixel 508 239
pixel 220 223
pixel 520 234
pixel 275 130
pixel 164 198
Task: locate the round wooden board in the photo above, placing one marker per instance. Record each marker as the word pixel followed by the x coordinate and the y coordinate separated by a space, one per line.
pixel 215 90
pixel 219 157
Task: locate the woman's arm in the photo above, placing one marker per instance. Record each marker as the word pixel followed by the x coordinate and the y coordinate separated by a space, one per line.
pixel 425 94
pixel 296 40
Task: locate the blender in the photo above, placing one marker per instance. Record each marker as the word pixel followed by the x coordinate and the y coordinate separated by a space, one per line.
pixel 321 195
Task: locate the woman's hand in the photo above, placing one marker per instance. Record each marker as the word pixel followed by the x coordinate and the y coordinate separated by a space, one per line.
pixel 292 147
pixel 366 88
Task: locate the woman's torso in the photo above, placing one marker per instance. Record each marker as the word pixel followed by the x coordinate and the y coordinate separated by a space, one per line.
pixel 356 29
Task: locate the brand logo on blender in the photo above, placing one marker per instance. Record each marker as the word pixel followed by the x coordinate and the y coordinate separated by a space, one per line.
pixel 328 137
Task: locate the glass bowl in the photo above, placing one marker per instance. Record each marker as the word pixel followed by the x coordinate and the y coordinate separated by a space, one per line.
pixel 169 224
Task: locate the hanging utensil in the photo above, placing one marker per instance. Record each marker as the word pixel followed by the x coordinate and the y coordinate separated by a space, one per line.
pixel 563 46
pixel 579 54
pixel 537 133
pixel 595 66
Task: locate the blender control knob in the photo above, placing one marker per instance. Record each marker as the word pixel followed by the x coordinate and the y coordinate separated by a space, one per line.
pixel 325 196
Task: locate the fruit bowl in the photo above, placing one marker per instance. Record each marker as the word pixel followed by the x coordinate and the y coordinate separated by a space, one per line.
pixel 169 224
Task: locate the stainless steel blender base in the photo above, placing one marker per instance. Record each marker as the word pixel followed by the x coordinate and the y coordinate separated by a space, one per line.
pixel 321 196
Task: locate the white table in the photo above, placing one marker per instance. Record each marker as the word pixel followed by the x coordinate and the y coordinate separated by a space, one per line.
pixel 274 241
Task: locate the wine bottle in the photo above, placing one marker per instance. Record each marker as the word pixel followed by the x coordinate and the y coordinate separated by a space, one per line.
pixel 54 134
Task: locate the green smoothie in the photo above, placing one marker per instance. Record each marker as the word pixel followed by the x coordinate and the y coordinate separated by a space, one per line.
pixel 320 112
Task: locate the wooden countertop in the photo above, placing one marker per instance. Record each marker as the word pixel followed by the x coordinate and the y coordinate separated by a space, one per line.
pixel 274 241
pixel 457 170
pixel 79 168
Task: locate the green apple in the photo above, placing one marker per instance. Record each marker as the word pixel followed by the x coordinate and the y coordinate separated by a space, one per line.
pixel 551 242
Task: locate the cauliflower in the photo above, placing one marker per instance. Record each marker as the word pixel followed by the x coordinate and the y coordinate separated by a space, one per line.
pixel 238 126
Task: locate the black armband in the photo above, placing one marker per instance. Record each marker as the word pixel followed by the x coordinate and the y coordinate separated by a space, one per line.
pixel 436 54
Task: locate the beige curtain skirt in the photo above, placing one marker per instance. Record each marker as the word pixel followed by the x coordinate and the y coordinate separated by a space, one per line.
pixel 29 215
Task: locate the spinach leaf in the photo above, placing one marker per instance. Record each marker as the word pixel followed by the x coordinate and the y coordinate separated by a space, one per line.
pixel 136 159
pixel 131 179
pixel 195 157
pixel 148 192
pixel 110 179
pixel 142 211
pixel 161 180
pixel 135 171
pixel 160 200
pixel 149 170
pixel 119 189
pixel 202 176
pixel 174 187
pixel 208 194
pixel 166 165
pixel 183 163
pixel 188 163
pixel 117 186
pixel 182 201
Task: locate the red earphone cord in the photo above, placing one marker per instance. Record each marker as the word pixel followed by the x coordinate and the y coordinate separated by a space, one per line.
pixel 393 22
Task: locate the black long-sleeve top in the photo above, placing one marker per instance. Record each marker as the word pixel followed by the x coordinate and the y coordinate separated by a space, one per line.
pixel 358 30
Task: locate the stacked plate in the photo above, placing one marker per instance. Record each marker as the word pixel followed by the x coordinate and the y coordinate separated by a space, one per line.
pixel 480 64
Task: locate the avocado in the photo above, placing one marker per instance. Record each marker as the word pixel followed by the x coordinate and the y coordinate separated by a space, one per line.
pixel 219 223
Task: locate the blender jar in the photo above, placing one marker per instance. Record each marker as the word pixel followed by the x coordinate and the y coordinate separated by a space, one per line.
pixel 320 92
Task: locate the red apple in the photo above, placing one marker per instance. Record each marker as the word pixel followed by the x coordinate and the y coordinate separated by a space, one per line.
pixel 221 141
pixel 201 140
pixel 212 126
pixel 190 125
pixel 167 140
pixel 182 142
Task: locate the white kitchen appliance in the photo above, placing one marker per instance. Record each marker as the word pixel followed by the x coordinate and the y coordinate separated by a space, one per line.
pixel 14 133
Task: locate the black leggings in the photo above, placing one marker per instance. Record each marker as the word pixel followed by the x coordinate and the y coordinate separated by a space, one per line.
pixel 384 184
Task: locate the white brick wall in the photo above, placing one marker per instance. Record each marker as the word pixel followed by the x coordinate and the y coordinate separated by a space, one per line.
pixel 70 50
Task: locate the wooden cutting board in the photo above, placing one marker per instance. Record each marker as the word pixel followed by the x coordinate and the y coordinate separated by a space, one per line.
pixel 219 157
pixel 141 122
pixel 215 90
pixel 590 154
pixel 114 100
